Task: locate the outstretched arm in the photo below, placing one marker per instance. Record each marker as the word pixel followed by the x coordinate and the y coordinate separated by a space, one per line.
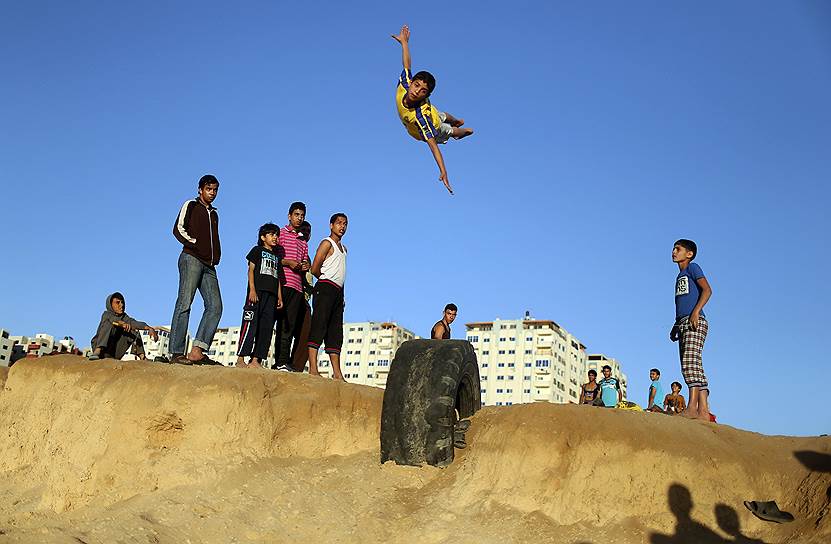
pixel 434 147
pixel 403 38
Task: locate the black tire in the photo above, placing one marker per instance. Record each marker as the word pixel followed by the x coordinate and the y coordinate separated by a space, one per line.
pixel 429 381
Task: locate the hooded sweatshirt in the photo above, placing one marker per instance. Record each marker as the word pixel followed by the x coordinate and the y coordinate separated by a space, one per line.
pixel 109 316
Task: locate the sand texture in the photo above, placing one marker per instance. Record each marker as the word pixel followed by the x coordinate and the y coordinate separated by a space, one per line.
pixel 135 452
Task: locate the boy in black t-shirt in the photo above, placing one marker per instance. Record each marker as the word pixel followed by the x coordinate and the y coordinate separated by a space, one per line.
pixel 263 300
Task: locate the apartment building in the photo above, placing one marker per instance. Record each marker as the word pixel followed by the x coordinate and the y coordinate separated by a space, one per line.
pixel 597 361
pixel 368 349
pixel 527 360
pixel 6 346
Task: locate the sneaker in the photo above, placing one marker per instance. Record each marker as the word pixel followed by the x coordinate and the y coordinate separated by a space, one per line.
pixel 161 359
pixel 282 368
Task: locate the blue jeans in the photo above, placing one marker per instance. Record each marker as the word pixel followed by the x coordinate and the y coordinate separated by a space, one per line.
pixel 193 275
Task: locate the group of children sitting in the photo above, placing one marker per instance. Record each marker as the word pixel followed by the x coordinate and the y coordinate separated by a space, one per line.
pixel 607 393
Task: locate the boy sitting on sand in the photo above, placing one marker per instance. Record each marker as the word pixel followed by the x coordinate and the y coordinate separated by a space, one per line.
pixel 118 332
pixel 674 403
pixel 656 391
pixel 423 121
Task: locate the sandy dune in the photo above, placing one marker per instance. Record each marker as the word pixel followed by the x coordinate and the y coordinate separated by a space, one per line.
pixel 112 452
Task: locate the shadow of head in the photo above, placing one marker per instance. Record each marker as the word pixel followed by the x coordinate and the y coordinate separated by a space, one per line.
pixel 680 500
pixel 728 519
pixel 814 460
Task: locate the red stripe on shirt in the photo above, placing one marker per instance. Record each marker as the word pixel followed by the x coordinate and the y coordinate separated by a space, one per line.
pixel 297 250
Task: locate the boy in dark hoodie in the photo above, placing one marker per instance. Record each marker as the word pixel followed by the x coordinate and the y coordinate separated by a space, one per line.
pixel 118 332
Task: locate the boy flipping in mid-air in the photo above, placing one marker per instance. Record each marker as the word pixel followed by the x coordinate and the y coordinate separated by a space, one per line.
pixel 263 300
pixel 329 267
pixel 423 121
pixel 692 291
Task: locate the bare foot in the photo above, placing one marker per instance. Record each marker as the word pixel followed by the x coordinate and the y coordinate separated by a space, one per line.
pixel 449 188
pixel 688 414
pixel 340 377
pixel 315 373
pixel 465 133
pixel 704 417
pixel 457 123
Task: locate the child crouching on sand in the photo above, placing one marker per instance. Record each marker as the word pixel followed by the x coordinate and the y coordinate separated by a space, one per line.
pixel 263 300
pixel 674 403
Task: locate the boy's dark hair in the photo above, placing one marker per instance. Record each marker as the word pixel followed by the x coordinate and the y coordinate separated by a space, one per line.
pixel 306 230
pixel 207 179
pixel 116 296
pixel 297 206
pixel 605 367
pixel 689 245
pixel 675 383
pixel 592 372
pixel 655 370
pixel 268 228
pixel 427 78
pixel 452 307
pixel 335 217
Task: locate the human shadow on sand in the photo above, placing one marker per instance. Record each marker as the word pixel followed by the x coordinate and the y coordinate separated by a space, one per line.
pixel 689 531
pixel 814 460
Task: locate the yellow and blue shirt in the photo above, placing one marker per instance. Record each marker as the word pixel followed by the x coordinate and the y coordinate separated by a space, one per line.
pixel 422 121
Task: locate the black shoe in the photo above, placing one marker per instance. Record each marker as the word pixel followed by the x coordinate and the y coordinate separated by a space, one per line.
pixel 161 359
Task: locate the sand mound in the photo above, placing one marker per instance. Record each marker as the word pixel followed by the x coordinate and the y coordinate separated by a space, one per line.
pixel 145 452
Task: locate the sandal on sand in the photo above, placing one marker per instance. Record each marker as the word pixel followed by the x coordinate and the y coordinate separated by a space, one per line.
pixel 181 360
pixel 768 511
pixel 94 357
pixel 205 360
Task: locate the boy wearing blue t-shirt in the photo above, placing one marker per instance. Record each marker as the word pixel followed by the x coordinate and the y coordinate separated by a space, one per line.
pixel 692 291
pixel 656 392
pixel 610 392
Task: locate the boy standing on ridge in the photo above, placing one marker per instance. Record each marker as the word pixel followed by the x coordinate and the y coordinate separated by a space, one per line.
pixel 264 298
pixel 423 121
pixel 610 392
pixel 294 257
pixel 197 228
pixel 329 267
pixel 692 291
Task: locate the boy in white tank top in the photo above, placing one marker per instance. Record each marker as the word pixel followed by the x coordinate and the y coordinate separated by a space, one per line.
pixel 329 267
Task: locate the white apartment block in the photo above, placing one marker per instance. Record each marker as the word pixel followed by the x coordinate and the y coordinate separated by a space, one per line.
pixel 368 349
pixel 527 360
pixel 6 346
pixel 597 361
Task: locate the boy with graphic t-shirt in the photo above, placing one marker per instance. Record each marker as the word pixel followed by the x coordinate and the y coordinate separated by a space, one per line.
pixel 692 291
pixel 264 298
pixel 610 392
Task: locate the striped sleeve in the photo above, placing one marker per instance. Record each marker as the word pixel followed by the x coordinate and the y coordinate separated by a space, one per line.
pixel 405 78
pixel 180 227
pixel 425 121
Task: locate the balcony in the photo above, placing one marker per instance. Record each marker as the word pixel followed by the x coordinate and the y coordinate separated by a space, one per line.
pixel 542 370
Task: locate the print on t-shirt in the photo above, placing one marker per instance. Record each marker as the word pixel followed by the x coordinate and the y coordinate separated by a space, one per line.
pixel 268 264
pixel 682 286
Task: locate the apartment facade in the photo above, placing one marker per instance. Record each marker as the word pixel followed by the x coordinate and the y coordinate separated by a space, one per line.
pixel 368 349
pixel 527 360
pixel 6 346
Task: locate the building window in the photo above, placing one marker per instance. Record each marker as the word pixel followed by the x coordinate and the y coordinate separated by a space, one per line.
pixel 500 390
pixel 502 339
pixel 486 352
pixel 484 365
pixel 511 365
pixel 500 365
pixel 500 377
pixel 527 352
pixel 511 352
pixel 501 352
pixel 527 378
pixel 526 390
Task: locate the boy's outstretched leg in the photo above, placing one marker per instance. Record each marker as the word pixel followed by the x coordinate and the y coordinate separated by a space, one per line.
pixel 459 133
pixel 453 121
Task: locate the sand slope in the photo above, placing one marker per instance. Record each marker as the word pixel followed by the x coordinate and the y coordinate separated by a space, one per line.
pixel 146 452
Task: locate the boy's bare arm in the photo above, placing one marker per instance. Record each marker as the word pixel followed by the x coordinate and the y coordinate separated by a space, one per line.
pixel 252 291
pixel 322 252
pixel 651 396
pixel 706 293
pixel 403 38
pixel 434 148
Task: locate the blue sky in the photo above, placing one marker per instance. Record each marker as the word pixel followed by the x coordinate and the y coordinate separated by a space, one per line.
pixel 604 131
